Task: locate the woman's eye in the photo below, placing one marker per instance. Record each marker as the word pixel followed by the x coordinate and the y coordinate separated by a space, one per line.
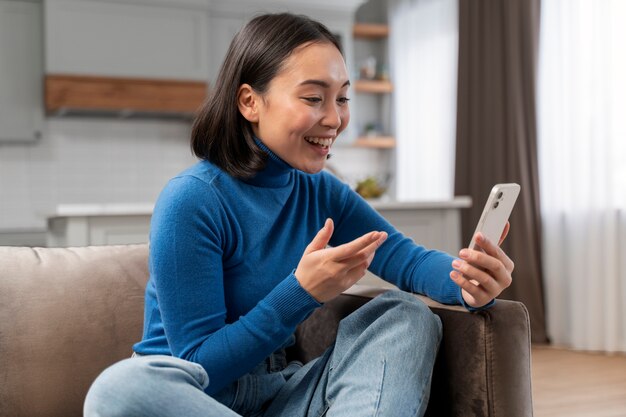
pixel 343 100
pixel 312 99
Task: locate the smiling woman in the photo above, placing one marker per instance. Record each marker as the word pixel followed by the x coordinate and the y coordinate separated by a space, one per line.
pixel 248 242
pixel 305 107
pixel 256 62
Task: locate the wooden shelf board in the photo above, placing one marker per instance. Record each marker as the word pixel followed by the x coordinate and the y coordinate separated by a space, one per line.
pixel 373 86
pixel 370 30
pixel 109 93
pixel 380 142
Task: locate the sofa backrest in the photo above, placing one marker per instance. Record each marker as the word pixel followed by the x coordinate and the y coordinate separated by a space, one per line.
pixel 65 315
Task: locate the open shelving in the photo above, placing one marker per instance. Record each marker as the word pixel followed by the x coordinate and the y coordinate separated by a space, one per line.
pixel 373 32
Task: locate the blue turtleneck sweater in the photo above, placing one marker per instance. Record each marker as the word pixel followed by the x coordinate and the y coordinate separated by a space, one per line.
pixel 222 292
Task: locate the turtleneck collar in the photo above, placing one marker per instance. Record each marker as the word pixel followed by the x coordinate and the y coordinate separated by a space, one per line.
pixel 277 173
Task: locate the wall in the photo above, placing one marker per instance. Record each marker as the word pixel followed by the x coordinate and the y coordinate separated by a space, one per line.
pixel 105 160
pixel 87 161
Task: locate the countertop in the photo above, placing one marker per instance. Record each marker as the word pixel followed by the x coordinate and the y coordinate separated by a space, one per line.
pixel 141 209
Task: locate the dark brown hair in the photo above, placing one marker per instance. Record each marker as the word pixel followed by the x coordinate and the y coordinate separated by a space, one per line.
pixel 220 133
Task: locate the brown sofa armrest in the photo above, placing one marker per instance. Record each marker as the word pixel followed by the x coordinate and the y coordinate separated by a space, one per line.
pixel 483 365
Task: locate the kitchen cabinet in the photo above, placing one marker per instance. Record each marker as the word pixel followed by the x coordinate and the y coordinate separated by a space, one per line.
pixel 222 28
pixel 99 224
pixel 21 71
pixel 227 19
pixel 127 39
pixel 128 59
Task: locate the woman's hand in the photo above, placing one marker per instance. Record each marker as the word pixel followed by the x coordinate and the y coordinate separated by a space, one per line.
pixel 327 272
pixel 482 276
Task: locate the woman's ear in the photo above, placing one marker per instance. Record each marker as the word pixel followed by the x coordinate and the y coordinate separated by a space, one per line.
pixel 247 102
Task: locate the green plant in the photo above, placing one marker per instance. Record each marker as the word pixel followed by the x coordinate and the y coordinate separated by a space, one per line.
pixel 370 188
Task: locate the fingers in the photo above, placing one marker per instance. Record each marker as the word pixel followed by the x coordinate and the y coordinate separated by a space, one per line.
pixel 494 251
pixel 364 256
pixel 325 273
pixel 475 277
pixel 484 268
pixel 321 239
pixel 482 274
pixel 474 295
pixel 367 243
pixel 505 233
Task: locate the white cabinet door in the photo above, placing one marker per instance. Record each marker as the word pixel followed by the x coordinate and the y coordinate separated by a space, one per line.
pixel 223 29
pixel 21 71
pixel 126 40
pixel 98 230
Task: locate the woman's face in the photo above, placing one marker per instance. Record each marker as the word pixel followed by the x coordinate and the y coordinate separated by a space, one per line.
pixel 305 107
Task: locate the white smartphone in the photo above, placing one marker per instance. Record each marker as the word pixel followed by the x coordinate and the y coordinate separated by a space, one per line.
pixel 496 213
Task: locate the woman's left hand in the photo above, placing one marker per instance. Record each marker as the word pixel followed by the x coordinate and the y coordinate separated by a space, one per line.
pixel 482 276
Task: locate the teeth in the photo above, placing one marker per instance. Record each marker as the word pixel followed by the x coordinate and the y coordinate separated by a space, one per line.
pixel 325 142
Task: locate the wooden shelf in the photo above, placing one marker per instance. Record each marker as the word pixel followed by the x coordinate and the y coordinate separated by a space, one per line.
pixel 373 32
pixel 370 30
pixel 373 86
pixel 64 92
pixel 379 142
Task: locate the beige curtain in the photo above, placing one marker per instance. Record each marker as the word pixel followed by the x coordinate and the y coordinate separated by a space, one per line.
pixel 497 133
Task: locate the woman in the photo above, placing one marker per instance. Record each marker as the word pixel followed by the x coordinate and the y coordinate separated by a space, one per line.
pixel 239 257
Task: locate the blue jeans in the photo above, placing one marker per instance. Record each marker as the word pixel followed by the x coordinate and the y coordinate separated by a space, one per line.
pixel 380 365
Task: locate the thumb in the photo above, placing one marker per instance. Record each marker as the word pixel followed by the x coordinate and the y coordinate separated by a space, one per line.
pixel 322 237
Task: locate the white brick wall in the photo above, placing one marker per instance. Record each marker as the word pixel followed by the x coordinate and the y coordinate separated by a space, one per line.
pixel 99 161
pixel 89 161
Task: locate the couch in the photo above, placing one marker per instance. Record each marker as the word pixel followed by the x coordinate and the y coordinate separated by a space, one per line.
pixel 68 313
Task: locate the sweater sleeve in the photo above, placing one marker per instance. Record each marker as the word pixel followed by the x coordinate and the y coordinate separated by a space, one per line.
pixel 189 236
pixel 399 260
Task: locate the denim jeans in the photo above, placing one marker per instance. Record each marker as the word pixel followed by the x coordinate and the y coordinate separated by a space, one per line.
pixel 380 365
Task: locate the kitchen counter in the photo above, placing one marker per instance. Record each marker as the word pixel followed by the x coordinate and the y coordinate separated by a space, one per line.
pixel 84 210
pixel 456 203
pixel 99 224
pixel 433 224
pixel 131 209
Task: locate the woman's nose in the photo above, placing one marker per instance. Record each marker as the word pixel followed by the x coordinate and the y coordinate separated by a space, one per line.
pixel 332 116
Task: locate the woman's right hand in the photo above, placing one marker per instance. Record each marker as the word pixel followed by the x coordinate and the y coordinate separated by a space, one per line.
pixel 327 272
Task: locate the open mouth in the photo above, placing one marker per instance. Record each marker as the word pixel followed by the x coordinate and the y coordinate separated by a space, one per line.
pixel 321 142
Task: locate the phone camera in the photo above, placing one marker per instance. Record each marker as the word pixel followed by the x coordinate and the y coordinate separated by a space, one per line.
pixel 496 204
pixel 499 195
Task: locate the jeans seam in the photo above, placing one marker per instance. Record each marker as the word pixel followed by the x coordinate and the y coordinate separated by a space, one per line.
pixel 325 410
pixel 380 389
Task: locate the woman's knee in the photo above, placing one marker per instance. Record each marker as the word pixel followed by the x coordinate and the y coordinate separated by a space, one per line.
pixel 110 393
pixel 129 387
pixel 410 315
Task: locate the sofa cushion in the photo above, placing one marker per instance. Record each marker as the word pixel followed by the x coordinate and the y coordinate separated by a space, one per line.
pixel 65 315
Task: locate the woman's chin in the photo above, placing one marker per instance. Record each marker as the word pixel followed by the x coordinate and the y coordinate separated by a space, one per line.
pixel 312 168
